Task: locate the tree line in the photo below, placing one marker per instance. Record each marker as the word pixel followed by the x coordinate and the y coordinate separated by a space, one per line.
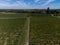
pixel 40 11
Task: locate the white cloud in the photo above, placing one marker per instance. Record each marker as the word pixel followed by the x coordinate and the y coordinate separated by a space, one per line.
pixel 16 5
pixel 20 4
pixel 47 2
pixel 36 0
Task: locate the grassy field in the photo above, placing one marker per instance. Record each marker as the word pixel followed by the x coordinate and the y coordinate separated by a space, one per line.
pixel 44 30
pixel 13 30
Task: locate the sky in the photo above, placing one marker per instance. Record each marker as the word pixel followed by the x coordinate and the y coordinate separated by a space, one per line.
pixel 29 4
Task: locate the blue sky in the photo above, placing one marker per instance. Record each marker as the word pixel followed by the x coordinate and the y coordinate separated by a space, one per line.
pixel 29 4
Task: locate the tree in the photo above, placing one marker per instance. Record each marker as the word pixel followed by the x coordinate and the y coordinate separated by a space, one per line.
pixel 48 10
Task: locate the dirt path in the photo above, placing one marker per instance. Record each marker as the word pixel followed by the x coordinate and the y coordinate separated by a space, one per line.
pixel 28 20
pixel 11 17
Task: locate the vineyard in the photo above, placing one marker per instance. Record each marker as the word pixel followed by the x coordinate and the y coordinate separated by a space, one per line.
pixel 44 31
pixel 13 30
pixel 29 29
